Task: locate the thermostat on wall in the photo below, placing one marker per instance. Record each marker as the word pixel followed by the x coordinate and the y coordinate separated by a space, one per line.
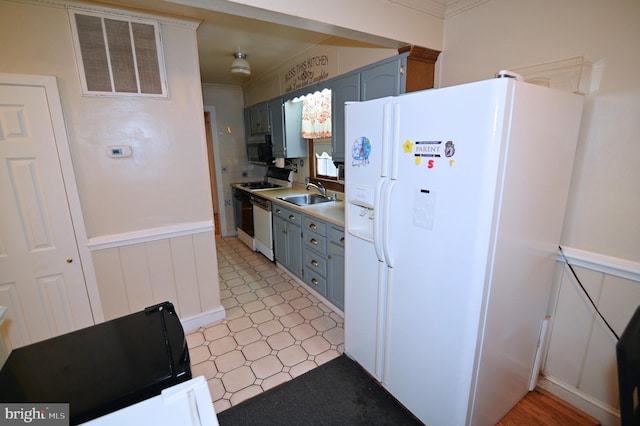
pixel 119 151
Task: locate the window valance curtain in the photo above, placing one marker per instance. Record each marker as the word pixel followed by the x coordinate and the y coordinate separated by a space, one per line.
pixel 316 115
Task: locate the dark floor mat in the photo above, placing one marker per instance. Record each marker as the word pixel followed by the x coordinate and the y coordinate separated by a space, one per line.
pixel 339 392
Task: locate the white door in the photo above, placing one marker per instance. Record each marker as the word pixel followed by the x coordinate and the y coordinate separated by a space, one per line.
pixel 41 275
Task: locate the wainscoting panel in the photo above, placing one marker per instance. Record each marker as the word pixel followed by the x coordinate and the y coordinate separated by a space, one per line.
pixel 580 364
pixel 134 273
pixel 207 269
pixel 111 287
pixel 135 270
pixel 184 261
pixel 161 271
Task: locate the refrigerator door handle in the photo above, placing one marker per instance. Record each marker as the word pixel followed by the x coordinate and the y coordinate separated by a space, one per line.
pixel 387 141
pixel 386 221
pixel 387 148
pixel 395 143
pixel 377 223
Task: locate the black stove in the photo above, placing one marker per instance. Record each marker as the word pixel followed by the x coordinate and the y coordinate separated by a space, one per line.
pixel 260 185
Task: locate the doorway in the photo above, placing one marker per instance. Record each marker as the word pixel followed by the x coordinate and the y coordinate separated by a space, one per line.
pixel 43 254
pixel 217 191
pixel 212 172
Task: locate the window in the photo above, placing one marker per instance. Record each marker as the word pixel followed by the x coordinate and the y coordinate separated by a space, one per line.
pixel 118 56
pixel 324 166
pixel 321 166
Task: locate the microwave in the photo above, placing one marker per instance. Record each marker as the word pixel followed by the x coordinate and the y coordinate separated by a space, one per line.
pixel 259 150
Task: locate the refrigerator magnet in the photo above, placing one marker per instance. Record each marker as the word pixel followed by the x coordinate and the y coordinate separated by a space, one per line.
pixel 360 151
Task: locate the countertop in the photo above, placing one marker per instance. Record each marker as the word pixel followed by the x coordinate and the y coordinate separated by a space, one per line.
pixel 332 212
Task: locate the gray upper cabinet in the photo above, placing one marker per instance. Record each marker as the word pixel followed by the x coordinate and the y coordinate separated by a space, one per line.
pixel 412 69
pixel 295 146
pixel 343 89
pixel 286 129
pixel 277 128
pixel 386 78
pixel 259 119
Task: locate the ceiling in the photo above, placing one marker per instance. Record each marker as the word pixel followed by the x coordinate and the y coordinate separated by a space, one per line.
pixel 267 44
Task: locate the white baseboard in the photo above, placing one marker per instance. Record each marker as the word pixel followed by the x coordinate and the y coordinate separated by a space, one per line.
pixel 205 318
pixel 315 294
pixel 607 415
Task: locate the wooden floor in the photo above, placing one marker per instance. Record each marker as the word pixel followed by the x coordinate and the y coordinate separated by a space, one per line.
pixel 542 408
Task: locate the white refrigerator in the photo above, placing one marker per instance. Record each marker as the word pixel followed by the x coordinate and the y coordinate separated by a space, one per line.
pixel 455 200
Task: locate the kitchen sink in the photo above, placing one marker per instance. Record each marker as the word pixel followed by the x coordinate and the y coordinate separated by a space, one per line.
pixel 306 199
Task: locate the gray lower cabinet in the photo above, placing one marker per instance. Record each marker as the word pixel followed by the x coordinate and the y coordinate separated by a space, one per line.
pixel 286 238
pixel 335 266
pixel 319 260
pixel 314 254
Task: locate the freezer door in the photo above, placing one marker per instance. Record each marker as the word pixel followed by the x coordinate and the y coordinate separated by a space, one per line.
pixel 367 159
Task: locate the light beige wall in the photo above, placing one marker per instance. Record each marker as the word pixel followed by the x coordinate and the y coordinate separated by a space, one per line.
pixel 601 227
pixel 165 184
pixel 420 24
pixel 150 189
pixel 604 205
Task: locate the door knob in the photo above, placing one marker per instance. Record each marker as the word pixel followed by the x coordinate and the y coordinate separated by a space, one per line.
pixel 69 260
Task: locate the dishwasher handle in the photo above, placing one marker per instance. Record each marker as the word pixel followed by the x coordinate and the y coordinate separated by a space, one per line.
pixel 263 203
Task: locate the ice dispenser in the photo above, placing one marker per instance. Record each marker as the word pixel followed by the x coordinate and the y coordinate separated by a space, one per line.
pixel 360 212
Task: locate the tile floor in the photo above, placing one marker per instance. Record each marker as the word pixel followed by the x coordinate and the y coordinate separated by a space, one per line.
pixel 274 330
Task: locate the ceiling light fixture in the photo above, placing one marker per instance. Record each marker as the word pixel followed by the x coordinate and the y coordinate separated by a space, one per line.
pixel 240 64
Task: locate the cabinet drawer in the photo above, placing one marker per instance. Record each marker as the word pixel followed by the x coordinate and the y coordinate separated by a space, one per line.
pixel 314 225
pixel 314 262
pixel 316 282
pixel 284 213
pixel 314 241
pixel 336 236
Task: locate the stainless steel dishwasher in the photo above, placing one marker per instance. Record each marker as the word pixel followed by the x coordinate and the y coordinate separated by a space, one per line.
pixel 263 232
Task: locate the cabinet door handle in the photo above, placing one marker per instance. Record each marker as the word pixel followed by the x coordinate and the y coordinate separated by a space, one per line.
pixel 278 211
pixel 313 226
pixel 342 240
pixel 291 217
pixel 314 262
pixel 314 241
pixel 314 281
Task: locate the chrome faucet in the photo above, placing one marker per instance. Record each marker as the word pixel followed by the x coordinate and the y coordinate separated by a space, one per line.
pixel 320 187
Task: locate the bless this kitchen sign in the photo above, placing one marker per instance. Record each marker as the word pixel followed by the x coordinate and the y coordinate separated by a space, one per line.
pixel 311 70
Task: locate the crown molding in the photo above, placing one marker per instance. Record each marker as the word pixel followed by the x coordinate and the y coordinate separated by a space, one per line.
pixel 435 8
pixel 455 7
pixel 440 8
